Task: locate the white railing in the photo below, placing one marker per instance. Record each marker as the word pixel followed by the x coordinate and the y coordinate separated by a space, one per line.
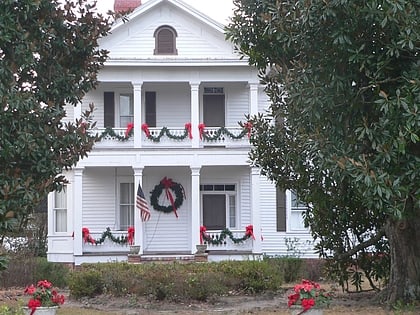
pixel 223 138
pixel 156 139
pixel 109 140
pixel 108 245
pixel 228 244
pixel 177 137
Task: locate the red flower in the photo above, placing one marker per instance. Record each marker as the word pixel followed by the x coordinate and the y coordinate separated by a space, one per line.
pixel 293 298
pixel 30 289
pixel 307 303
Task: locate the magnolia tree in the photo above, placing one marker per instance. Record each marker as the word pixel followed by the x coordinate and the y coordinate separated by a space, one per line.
pixel 49 57
pixel 343 127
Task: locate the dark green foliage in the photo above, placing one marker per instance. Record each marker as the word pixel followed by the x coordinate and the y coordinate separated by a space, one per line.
pixel 49 57
pixel 89 283
pixel 177 282
pixel 343 128
pixel 54 272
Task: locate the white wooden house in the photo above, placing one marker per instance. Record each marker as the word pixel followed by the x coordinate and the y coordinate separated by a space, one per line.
pixel 178 83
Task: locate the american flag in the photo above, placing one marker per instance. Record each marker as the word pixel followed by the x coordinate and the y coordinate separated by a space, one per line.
pixel 142 205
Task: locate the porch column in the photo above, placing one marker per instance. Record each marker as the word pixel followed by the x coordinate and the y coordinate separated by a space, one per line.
pixel 256 215
pixel 78 210
pixel 139 232
pixel 195 114
pixel 137 113
pixel 195 207
pixel 253 98
pixel 77 111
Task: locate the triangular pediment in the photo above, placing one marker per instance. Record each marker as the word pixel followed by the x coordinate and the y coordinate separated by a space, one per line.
pixel 198 36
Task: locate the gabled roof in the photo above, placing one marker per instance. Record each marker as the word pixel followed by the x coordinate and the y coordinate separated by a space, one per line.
pixel 177 3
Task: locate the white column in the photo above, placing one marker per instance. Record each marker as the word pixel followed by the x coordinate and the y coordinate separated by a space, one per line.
pixel 137 114
pixel 195 114
pixel 78 210
pixel 139 232
pixel 255 204
pixel 195 207
pixel 77 111
pixel 253 98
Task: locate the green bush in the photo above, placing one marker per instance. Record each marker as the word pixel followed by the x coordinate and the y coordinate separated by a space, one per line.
pixel 56 273
pixel 88 283
pixel 181 282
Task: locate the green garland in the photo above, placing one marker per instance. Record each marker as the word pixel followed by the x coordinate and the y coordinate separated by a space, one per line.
pixel 223 130
pixel 165 131
pixel 221 239
pixel 157 191
pixel 110 132
pixel 122 240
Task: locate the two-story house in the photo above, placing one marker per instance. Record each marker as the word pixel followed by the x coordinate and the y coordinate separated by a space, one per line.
pixel 168 107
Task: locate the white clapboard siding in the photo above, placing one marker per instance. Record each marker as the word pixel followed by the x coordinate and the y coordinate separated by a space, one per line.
pixel 173 107
pixel 99 198
pixel 237 105
pixel 195 39
pixel 263 101
pixel 244 202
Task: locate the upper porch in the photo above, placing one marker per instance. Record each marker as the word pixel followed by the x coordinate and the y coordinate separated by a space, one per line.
pixel 174 114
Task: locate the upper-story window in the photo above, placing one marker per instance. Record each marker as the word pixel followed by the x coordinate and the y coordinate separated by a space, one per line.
pixel 165 41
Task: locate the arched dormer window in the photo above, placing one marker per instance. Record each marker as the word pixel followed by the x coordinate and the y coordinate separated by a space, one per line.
pixel 165 41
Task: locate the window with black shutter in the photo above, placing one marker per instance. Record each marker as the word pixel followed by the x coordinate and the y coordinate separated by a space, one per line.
pixel 165 41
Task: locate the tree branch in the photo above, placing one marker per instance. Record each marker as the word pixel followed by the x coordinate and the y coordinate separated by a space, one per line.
pixel 370 242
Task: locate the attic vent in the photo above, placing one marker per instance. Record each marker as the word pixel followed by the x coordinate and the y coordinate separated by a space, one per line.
pixel 165 41
pixel 213 90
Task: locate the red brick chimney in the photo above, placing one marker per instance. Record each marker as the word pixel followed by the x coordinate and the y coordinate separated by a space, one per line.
pixel 125 5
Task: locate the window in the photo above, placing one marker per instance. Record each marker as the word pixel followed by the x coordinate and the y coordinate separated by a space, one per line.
pixel 219 206
pixel 214 107
pixel 60 210
pixel 297 209
pixel 165 41
pixel 118 114
pixel 126 205
pixel 126 109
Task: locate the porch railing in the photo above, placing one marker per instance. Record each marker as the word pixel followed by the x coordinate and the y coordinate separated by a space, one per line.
pixel 214 136
pixel 108 245
pixel 228 244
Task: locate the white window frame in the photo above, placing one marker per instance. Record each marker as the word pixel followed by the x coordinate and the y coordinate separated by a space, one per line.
pixel 228 194
pixel 117 108
pixel 124 180
pixel 60 208
pixel 291 212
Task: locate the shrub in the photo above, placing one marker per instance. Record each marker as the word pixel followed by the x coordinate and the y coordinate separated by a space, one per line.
pixel 88 283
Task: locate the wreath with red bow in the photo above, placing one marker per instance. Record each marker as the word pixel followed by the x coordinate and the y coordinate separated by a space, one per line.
pixel 174 193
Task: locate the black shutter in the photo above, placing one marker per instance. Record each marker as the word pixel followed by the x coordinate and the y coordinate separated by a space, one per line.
pixel 281 210
pixel 109 109
pixel 150 108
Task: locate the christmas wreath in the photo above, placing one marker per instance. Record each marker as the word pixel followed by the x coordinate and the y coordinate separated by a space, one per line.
pixel 171 188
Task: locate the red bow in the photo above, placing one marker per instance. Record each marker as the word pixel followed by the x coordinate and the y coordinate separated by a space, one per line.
pixel 130 236
pixel 167 184
pixel 188 127
pixel 248 125
pixel 202 232
pixel 201 130
pixel 86 236
pixel 128 130
pixel 145 128
pixel 250 231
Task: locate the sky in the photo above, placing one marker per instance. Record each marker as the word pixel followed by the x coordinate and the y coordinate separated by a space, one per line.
pixel 219 10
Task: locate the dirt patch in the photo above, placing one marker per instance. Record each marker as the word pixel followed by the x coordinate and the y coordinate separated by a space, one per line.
pixel 262 304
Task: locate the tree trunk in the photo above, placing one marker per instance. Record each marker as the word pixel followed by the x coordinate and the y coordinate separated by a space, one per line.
pixel 404 241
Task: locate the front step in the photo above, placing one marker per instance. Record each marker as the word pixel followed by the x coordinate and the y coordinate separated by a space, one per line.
pixel 136 259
